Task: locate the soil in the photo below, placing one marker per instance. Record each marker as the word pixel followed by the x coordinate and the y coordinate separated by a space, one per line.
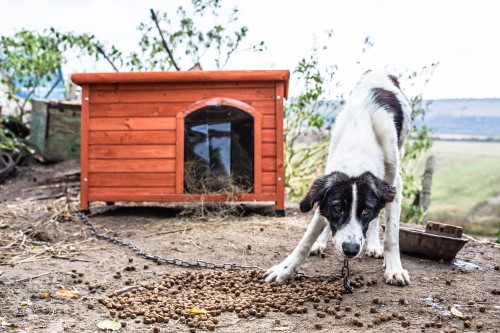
pixel 40 239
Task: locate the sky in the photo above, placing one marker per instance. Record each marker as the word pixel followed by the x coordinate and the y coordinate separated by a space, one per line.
pixel 406 35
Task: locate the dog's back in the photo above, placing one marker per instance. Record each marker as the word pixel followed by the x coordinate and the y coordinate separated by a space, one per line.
pixel 370 131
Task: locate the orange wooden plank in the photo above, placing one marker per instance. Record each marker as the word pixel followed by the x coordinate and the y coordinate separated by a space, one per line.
pixel 130 165
pixel 114 195
pixel 281 90
pixel 268 164
pixel 132 123
pixel 133 137
pixel 132 151
pixel 268 178
pixel 268 135
pixel 131 180
pixel 183 85
pixel 130 191
pixel 269 149
pixel 179 156
pixel 179 95
pixel 269 121
pixel 269 189
pixel 84 149
pixel 257 164
pixel 161 109
pixel 136 109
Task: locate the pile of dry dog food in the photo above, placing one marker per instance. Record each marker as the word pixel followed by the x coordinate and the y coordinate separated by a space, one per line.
pixel 197 298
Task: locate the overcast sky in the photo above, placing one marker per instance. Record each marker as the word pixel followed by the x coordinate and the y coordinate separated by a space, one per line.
pixel 461 35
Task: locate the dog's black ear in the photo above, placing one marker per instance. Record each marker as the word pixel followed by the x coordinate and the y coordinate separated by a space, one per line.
pixel 388 192
pixel 315 193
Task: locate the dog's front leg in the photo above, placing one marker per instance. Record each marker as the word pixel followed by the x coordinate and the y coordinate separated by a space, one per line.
pixel 288 267
pixel 373 247
pixel 394 272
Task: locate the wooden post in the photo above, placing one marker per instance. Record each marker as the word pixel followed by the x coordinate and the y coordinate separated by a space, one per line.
pixel 84 149
pixel 427 182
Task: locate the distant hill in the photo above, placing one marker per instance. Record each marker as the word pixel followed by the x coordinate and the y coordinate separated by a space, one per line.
pixel 468 117
pixel 448 118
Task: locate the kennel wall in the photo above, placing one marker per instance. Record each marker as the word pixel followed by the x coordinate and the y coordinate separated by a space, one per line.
pixel 134 134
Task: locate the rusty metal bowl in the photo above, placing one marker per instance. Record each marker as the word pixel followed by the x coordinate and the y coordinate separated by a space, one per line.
pixel 432 246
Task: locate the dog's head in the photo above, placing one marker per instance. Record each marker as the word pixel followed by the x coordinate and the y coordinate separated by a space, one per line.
pixel 349 204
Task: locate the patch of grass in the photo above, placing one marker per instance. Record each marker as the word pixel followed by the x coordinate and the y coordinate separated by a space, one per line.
pixel 465 185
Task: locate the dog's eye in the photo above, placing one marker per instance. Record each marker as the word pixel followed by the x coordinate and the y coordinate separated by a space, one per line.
pixel 366 211
pixel 337 208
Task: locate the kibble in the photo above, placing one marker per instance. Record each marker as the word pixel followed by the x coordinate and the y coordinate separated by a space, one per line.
pixel 448 282
pixel 467 324
pixel 376 301
pixel 482 308
pixel 156 329
pixel 177 295
pixel 318 326
pixel 405 323
pixel 479 325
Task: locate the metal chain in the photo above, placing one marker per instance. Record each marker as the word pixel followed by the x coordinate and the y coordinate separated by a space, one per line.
pixel 345 276
pixel 171 261
pixel 200 263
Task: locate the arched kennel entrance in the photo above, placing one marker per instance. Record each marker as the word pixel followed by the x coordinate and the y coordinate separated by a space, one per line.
pixel 222 147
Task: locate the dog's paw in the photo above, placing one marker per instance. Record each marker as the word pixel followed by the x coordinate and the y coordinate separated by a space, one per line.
pixel 318 248
pixel 282 272
pixel 397 277
pixel 375 251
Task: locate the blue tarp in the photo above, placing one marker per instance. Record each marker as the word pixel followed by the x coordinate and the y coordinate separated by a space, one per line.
pixel 55 82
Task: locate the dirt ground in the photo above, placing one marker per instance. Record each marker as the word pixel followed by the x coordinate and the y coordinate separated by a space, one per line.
pixel 43 250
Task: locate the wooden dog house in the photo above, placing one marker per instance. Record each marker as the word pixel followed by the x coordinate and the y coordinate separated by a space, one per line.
pixel 182 136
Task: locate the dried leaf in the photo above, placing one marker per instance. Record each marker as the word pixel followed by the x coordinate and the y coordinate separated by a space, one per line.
pixel 45 294
pixel 281 328
pixel 35 249
pixel 25 303
pixel 456 313
pixel 197 311
pixel 109 325
pixel 68 293
pixel 3 323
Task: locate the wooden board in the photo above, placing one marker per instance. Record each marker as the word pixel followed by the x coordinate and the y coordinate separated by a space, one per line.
pixel 268 149
pixel 131 151
pixel 268 164
pixel 133 137
pixel 181 86
pixel 179 96
pixel 268 178
pixel 268 135
pixel 113 195
pixel 131 165
pixel 108 179
pixel 155 109
pixel 132 124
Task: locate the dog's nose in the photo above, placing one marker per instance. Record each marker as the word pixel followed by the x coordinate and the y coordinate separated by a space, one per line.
pixel 350 249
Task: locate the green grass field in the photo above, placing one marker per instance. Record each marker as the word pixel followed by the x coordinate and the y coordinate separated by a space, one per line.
pixel 466 185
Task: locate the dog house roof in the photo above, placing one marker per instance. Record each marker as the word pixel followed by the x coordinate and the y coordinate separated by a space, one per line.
pixel 183 76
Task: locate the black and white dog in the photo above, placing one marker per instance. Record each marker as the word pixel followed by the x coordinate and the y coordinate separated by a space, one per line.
pixel 361 178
